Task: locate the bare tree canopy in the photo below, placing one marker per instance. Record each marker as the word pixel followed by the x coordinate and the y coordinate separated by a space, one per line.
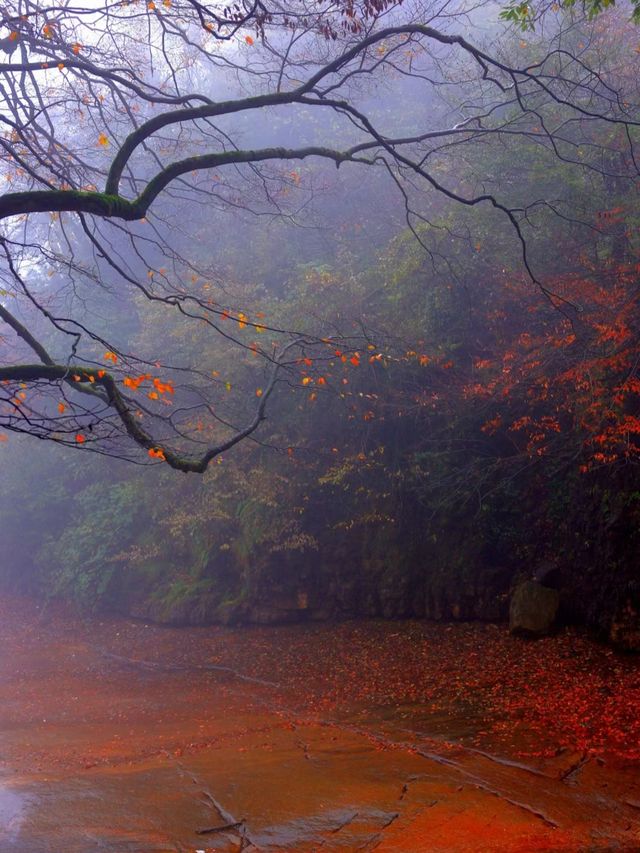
pixel 127 125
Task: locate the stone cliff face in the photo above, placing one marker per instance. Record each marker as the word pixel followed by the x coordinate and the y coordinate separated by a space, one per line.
pixel 323 589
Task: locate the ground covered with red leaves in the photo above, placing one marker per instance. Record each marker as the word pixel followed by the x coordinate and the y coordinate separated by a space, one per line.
pixel 564 692
pixel 401 737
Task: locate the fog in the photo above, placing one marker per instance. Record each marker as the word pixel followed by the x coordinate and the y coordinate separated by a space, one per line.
pixel 319 427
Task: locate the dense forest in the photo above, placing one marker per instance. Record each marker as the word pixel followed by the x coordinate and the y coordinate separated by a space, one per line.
pixel 453 388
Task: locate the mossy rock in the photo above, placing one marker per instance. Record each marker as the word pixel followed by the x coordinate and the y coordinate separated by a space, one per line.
pixel 534 609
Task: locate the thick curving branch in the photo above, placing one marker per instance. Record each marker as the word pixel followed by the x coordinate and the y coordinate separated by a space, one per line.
pixel 116 207
pixel 56 373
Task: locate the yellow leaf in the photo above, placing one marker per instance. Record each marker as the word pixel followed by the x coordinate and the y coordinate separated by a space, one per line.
pixel 103 140
pixel 258 392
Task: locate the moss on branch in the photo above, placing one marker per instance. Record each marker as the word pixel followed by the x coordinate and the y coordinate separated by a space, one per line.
pixel 72 201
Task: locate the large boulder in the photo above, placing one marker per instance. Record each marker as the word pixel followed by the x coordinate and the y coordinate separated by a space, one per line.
pixel 533 610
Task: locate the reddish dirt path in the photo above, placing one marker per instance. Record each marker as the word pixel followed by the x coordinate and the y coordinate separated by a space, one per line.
pixel 121 737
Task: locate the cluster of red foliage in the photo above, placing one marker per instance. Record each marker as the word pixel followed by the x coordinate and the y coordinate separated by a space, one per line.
pixel 567 369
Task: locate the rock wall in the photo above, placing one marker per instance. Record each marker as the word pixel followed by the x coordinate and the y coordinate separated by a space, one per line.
pixel 327 586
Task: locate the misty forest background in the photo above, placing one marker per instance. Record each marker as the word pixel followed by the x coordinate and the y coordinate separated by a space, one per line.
pixel 480 432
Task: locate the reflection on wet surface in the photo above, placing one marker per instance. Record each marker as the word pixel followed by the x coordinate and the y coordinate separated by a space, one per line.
pixel 116 736
pixel 12 808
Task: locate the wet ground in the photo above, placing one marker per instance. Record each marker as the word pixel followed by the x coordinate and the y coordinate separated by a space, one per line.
pixel 119 736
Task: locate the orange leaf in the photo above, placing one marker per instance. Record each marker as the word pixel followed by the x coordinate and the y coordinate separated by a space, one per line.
pixel 163 387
